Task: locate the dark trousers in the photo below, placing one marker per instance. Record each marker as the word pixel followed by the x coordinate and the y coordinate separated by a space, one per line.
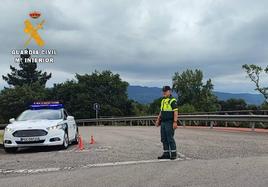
pixel 167 137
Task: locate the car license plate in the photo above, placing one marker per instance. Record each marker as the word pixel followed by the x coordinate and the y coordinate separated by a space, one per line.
pixel 30 139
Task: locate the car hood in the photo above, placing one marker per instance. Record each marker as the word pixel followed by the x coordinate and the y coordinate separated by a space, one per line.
pixel 33 124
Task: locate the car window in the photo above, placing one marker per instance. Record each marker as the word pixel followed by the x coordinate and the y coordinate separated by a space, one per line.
pixel 47 114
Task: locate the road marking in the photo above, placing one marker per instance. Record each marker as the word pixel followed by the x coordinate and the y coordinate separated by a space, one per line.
pixel 109 164
pixel 182 156
pixel 103 148
pixel 82 151
pixel 130 163
pixel 76 150
pixel 67 151
pixel 28 171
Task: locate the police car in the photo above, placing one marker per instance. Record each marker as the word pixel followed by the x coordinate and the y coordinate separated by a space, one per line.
pixel 44 124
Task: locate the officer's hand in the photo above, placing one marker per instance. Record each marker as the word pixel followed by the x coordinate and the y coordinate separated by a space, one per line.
pixel 175 125
pixel 157 123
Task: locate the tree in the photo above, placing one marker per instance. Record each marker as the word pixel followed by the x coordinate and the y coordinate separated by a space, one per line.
pixel 187 108
pixel 138 108
pixel 191 90
pixel 28 74
pixel 16 100
pixel 154 107
pixel 253 107
pixel 233 104
pixel 264 106
pixel 104 88
pixel 253 71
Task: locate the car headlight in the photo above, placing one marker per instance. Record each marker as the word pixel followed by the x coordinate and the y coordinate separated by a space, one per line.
pixel 8 129
pixel 55 127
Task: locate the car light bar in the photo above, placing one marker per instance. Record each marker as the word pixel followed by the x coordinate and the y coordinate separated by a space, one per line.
pixel 46 105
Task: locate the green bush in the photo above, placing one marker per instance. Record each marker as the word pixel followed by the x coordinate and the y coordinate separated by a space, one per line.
pixel 187 108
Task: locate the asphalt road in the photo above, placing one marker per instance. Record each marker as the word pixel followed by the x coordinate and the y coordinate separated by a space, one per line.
pixel 125 156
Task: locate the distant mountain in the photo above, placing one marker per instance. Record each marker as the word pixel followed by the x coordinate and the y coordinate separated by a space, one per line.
pixel 148 94
pixel 144 94
pixel 256 99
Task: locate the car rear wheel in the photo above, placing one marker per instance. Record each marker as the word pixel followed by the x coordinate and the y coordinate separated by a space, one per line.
pixel 10 149
pixel 65 143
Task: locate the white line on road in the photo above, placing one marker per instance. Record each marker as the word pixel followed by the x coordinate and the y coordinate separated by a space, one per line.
pixel 181 157
pixel 130 163
pixel 28 171
pixel 109 164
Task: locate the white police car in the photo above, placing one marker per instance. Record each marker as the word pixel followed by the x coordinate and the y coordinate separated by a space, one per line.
pixel 44 124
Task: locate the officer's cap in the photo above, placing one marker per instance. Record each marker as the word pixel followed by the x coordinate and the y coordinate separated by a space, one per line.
pixel 166 88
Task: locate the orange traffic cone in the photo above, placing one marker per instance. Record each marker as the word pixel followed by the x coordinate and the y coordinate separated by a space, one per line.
pixel 80 143
pixel 92 141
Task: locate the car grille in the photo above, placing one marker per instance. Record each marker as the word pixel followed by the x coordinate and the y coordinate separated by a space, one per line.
pixel 29 133
pixel 31 142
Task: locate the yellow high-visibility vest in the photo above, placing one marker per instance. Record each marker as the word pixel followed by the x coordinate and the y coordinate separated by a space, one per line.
pixel 166 104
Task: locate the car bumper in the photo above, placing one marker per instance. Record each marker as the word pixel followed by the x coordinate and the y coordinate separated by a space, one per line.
pixel 11 141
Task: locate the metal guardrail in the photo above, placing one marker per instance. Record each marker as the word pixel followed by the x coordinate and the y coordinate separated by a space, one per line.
pixel 207 120
pixel 232 112
pixel 236 118
pixel 204 120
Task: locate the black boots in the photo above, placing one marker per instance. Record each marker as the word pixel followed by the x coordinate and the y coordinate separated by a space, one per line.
pixel 164 156
pixel 167 156
pixel 173 156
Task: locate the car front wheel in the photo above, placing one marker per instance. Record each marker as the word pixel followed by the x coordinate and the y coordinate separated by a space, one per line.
pixel 65 143
pixel 10 149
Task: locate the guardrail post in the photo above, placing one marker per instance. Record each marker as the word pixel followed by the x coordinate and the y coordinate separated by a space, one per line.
pixel 261 123
pixel 183 123
pixel 211 124
pixel 252 126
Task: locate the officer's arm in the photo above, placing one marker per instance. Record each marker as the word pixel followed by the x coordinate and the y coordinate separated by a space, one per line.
pixel 159 116
pixel 158 119
pixel 174 107
pixel 176 114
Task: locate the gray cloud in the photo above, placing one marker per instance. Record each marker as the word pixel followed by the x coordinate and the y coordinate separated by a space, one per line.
pixel 145 41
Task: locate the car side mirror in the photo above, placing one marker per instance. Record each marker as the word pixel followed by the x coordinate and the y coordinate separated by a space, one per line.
pixel 70 118
pixel 11 120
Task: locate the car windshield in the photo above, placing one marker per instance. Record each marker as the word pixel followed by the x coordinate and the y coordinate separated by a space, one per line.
pixel 47 114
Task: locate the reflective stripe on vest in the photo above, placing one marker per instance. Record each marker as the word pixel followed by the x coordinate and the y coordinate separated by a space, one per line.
pixel 166 104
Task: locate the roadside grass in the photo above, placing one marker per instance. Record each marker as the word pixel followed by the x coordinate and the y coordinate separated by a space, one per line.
pixel 1 137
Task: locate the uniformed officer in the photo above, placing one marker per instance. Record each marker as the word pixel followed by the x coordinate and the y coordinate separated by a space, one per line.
pixel 167 119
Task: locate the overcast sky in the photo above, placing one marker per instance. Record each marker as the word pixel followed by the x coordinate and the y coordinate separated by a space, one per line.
pixel 145 41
